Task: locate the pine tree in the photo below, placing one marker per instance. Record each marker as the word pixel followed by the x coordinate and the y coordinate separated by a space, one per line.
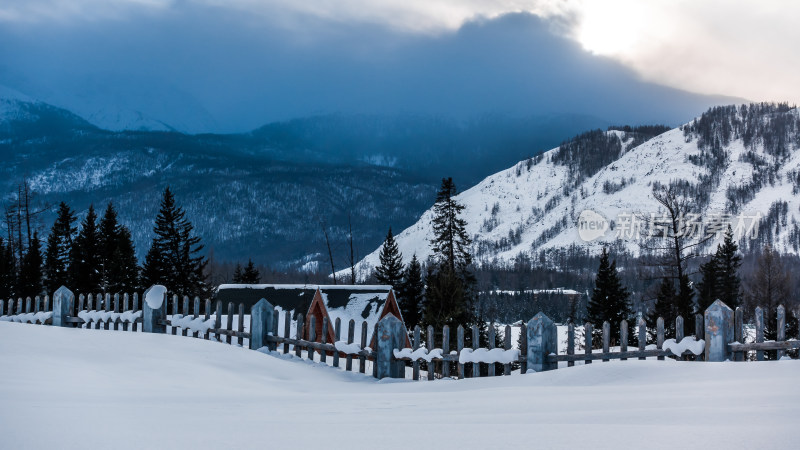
pixel 450 285
pixel 59 249
pixel 410 293
pixel 7 273
pixel 30 277
pixel 173 259
pixel 708 288
pixel 118 267
pixel 721 276
pixel 664 307
pixel 609 300
pixel 250 274
pixel 769 287
pixel 728 263
pixel 390 271
pixel 85 259
pixel 238 276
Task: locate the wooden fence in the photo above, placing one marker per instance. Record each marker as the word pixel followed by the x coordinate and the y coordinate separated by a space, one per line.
pixel 719 335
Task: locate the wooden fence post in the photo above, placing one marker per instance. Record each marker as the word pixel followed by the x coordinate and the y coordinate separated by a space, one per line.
pixel 606 339
pixel 660 335
pixel 154 303
pixel 759 332
pixel 642 335
pixel 61 300
pixel 260 324
pixel 587 337
pixel 542 341
pixel 391 335
pixel 446 350
pixel 738 332
pixel 719 331
pixel 623 337
pixel 415 346
pixel 570 342
pixel 781 330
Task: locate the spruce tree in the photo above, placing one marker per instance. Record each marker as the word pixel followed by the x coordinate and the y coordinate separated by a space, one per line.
pixel 450 285
pixel 708 287
pixel 664 307
pixel 728 262
pixel 390 271
pixel 609 300
pixel 7 273
pixel 238 275
pixel 59 249
pixel 250 274
pixel 410 293
pixel 119 272
pixel 30 277
pixel 85 259
pixel 174 258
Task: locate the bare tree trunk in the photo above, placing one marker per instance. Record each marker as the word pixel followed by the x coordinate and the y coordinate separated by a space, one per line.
pixel 330 253
pixel 352 255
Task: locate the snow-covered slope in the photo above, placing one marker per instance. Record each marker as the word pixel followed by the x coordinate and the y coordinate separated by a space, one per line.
pixel 141 390
pixel 535 205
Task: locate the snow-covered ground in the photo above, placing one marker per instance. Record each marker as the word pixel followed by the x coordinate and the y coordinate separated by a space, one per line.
pixel 73 388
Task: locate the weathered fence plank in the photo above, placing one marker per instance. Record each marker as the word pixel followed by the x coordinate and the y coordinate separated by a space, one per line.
pixel 415 346
pixel 623 337
pixel 337 331
pixel 298 349
pixel 351 334
pixel 312 336
pixel 759 318
pixel 587 346
pixel 287 329
pixel 506 346
pixel 429 346
pixel 207 316
pixel 362 360
pixel 218 320
pixel 490 366
pixel 781 330
pixel 445 351
pixel 606 337
pixel 229 321
pixel 274 328
pixel 570 342
pixel 660 335
pixel 240 338
pixel 738 332
pixel 476 367
pixel 459 348
pixel 175 302
pixel 642 335
pixel 323 356
pixel 185 311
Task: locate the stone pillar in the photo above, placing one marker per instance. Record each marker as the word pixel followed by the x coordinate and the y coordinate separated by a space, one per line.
pixel 391 335
pixel 719 332
pixel 61 301
pixel 260 324
pixel 153 306
pixel 542 341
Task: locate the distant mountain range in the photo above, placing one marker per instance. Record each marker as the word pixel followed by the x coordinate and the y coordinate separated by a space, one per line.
pixel 265 194
pixel 742 161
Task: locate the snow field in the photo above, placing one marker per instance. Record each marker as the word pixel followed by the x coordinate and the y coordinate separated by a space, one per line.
pixel 63 388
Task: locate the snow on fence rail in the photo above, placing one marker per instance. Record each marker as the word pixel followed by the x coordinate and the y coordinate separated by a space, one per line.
pixel 721 328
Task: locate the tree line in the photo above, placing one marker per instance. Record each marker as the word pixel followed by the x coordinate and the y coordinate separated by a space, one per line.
pixel 98 255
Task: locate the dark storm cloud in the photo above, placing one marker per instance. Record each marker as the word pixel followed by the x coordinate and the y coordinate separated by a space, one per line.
pixel 213 68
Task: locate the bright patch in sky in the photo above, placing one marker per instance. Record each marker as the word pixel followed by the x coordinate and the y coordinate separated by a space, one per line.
pixel 608 30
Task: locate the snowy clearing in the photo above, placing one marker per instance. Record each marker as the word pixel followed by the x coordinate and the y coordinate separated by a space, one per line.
pixel 67 388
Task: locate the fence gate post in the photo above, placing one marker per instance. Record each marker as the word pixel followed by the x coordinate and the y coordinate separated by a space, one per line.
pixel 391 335
pixel 61 301
pixel 260 324
pixel 153 305
pixel 719 331
pixel 542 341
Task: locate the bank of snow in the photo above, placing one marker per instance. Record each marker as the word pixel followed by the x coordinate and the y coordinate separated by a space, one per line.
pixel 68 388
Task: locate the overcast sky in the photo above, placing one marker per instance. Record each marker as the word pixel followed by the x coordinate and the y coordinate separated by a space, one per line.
pixel 231 65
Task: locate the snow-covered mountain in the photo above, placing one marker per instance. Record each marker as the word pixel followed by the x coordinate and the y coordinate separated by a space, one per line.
pixel 744 161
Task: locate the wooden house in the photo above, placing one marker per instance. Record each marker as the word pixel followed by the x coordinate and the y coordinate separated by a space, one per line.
pixel 361 303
